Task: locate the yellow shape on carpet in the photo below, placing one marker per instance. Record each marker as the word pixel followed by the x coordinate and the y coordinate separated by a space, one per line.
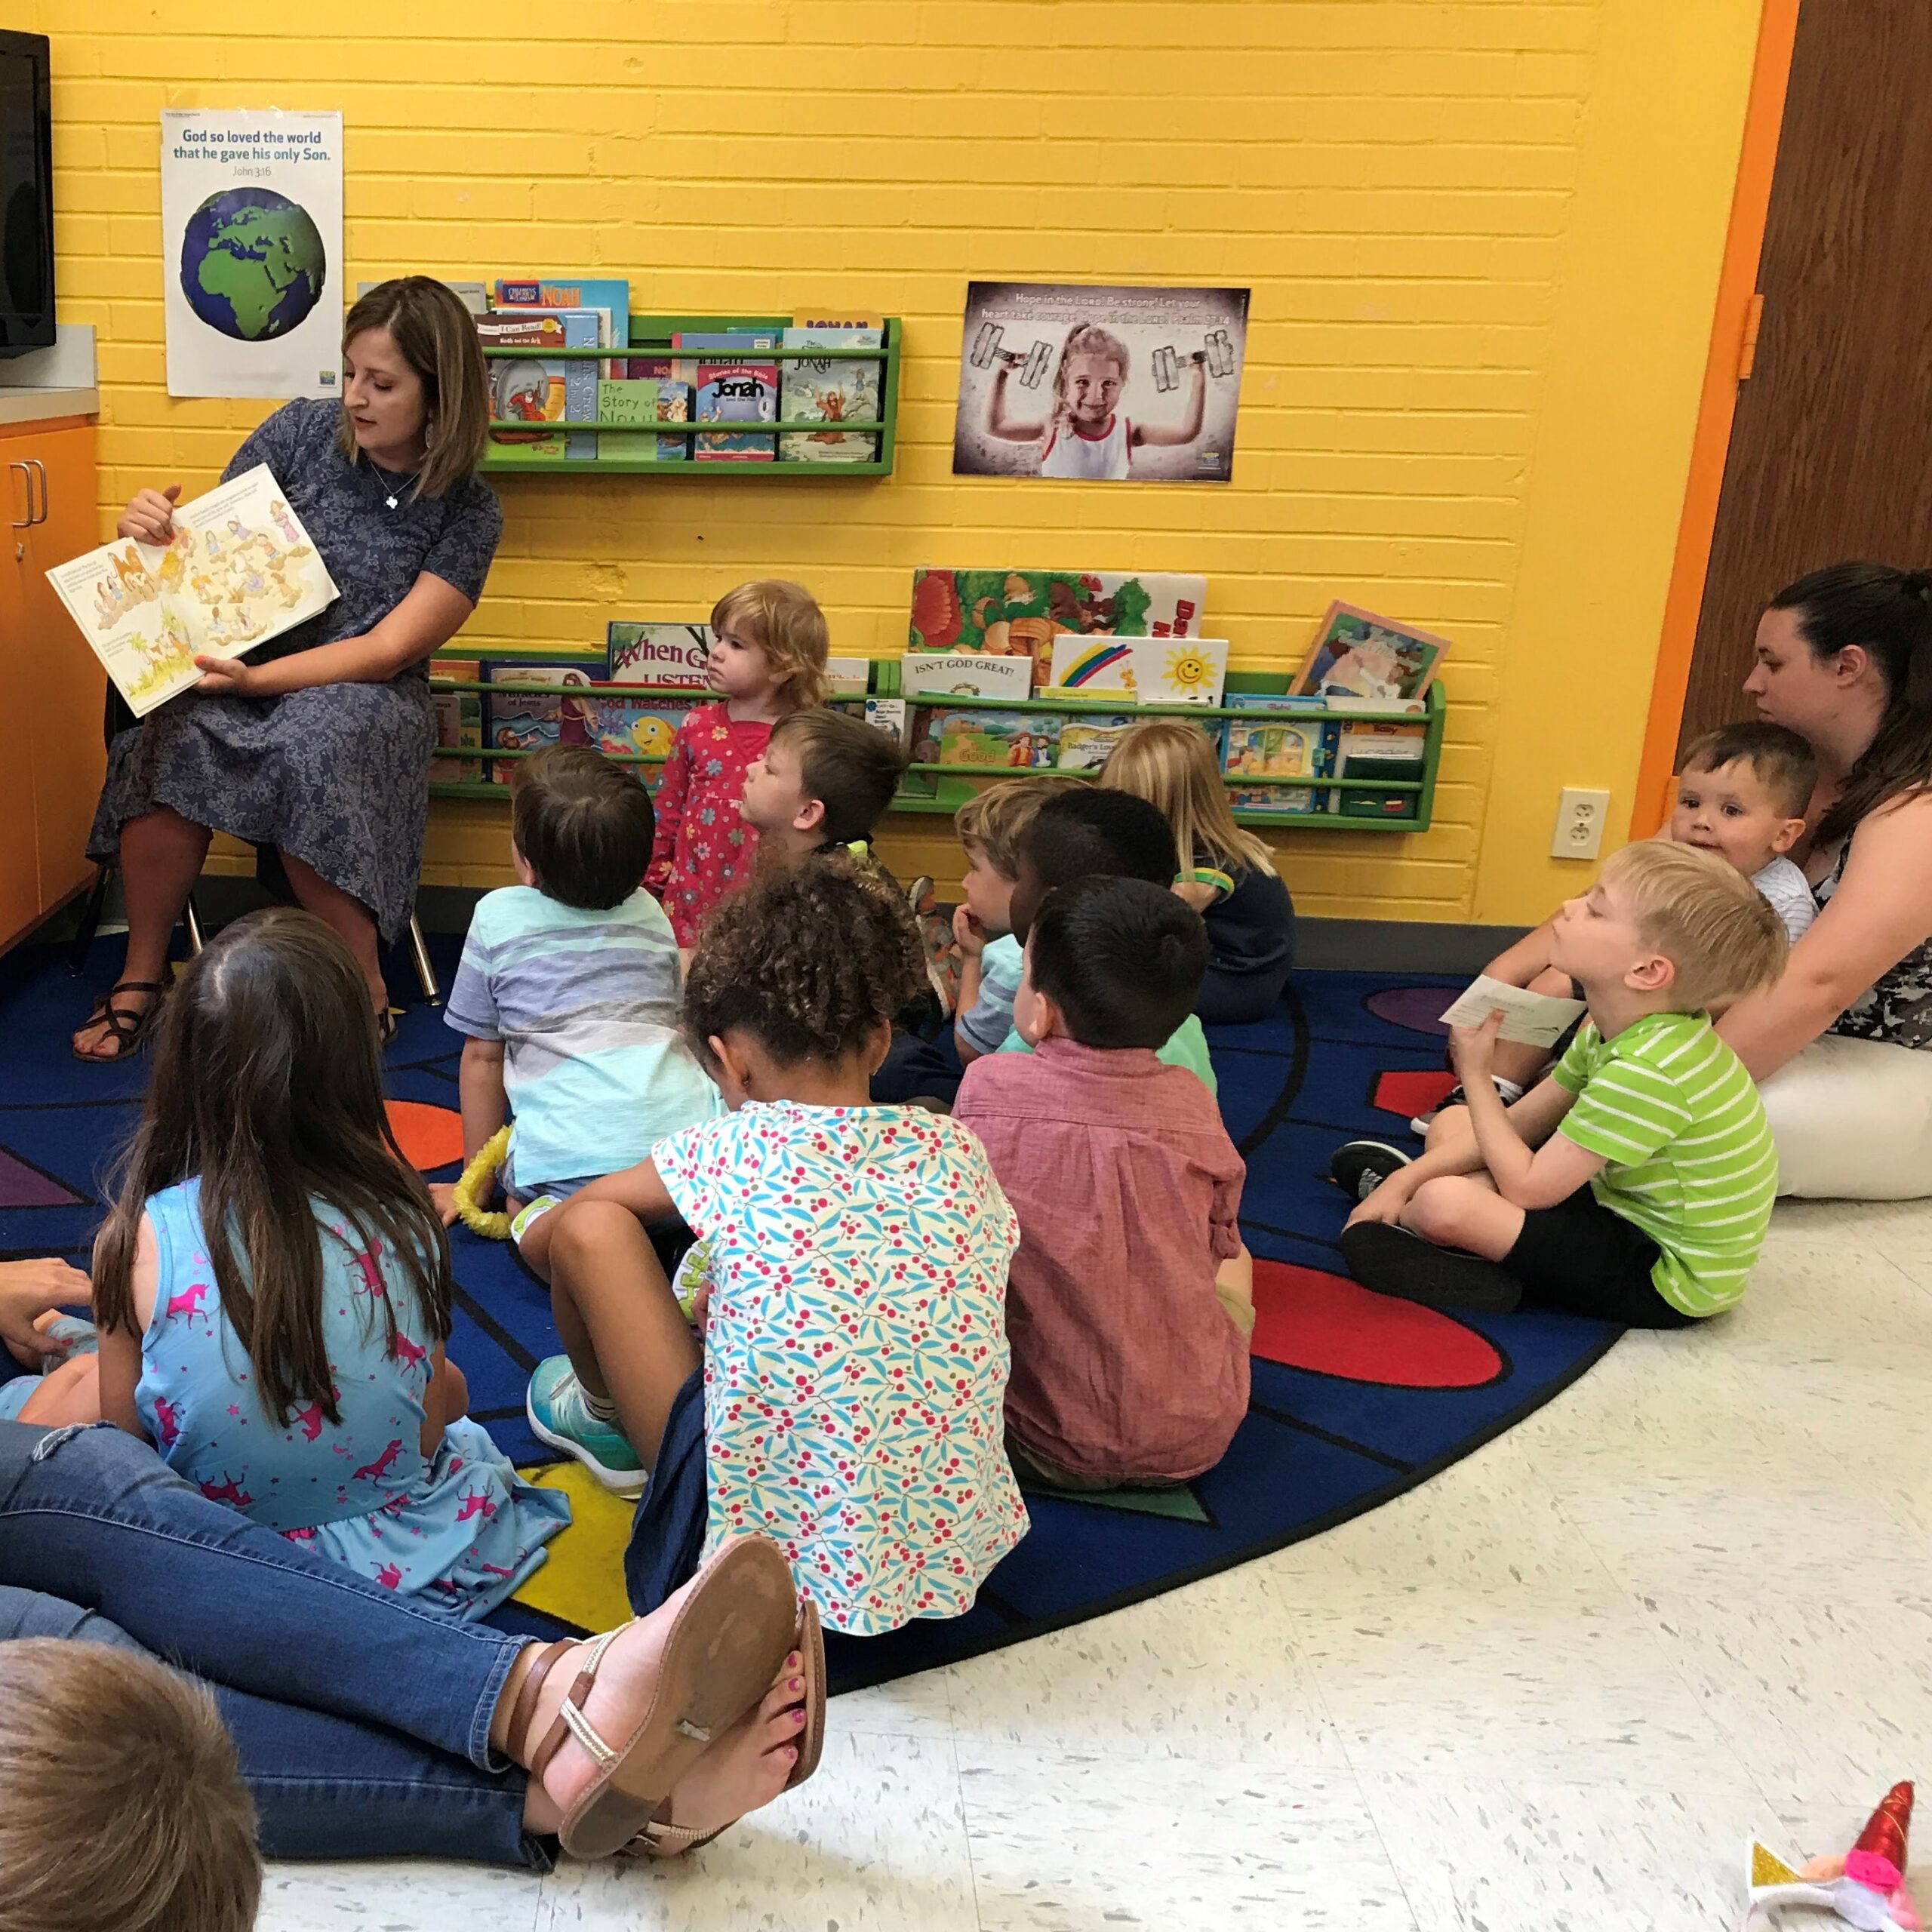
pixel 582 1583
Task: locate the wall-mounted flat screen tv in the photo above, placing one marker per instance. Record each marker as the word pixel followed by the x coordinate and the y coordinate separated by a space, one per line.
pixel 26 195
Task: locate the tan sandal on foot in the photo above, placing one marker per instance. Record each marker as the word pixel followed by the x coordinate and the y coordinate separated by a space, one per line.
pixel 661 1838
pixel 732 1632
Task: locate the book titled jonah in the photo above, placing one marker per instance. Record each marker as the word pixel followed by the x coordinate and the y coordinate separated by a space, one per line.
pixel 731 384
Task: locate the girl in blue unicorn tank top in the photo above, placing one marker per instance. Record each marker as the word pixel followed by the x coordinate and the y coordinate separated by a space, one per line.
pixel 273 1286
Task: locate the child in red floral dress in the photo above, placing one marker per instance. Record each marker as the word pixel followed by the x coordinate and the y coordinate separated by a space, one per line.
pixel 768 660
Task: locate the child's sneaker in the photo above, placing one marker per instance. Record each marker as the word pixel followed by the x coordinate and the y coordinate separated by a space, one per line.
pixel 559 1416
pixel 1508 1090
pixel 1358 1168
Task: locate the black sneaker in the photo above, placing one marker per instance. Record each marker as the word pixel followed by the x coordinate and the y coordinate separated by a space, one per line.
pixel 1358 1168
pixel 1455 1097
pixel 1391 1261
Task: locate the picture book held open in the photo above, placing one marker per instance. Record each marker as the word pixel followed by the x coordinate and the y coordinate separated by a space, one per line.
pixel 241 569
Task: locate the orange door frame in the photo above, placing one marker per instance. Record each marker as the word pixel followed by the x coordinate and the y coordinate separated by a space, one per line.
pixel 1731 326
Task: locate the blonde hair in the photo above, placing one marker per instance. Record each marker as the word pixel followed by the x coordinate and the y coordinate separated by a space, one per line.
pixel 994 819
pixel 1170 763
pixel 120 1802
pixel 785 622
pixel 436 336
pixel 1086 339
pixel 1712 925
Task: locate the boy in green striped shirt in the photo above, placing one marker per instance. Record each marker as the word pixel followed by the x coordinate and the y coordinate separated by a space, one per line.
pixel 1634 1181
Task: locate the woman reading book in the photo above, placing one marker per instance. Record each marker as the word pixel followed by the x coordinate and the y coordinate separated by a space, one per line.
pixel 316 748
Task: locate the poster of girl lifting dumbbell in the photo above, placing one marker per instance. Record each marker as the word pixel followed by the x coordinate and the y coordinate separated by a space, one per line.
pixel 1099 385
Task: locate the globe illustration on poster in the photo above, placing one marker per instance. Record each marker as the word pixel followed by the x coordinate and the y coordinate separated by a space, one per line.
pixel 253 265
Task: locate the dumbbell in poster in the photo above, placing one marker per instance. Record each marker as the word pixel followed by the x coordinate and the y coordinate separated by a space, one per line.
pixel 1099 385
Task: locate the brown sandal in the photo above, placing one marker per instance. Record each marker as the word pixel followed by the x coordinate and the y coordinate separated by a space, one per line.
pixel 128 1030
pixel 732 1632
pixel 661 1838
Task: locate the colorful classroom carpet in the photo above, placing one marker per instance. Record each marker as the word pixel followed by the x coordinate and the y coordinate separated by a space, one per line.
pixel 1356 1398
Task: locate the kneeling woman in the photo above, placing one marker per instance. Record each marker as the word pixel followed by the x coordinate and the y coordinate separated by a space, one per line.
pixel 316 747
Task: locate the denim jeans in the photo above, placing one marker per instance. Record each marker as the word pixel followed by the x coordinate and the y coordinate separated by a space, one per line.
pixel 362 1725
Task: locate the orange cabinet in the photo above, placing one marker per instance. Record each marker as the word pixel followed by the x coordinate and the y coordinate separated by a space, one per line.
pixel 52 761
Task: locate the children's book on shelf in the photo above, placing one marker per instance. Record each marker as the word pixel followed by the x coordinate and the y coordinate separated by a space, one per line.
pixel 473 296
pixel 657 653
pixel 674 401
pixel 608 297
pixel 1014 738
pixel 1357 655
pixel 892 716
pixel 526 721
pixel 1363 748
pixel 731 382
pixel 1085 744
pixel 1276 747
pixel 458 717
pixel 626 409
pixel 525 388
pixel 848 676
pixel 584 328
pixel 239 571
pixel 619 726
pixel 1142 670
pixel 964 674
pixel 830 389
pixel 1024 613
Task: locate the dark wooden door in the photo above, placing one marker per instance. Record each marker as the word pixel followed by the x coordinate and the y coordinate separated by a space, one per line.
pixel 1831 450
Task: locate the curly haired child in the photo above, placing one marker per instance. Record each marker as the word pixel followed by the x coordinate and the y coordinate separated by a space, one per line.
pixel 1087 436
pixel 769 642
pixel 843 1390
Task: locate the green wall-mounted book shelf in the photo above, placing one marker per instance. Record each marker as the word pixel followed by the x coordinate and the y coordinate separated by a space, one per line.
pixel 1379 804
pixel 650 337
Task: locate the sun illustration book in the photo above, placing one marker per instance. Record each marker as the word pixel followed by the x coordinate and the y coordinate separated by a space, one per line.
pixel 240 571
pixel 1165 670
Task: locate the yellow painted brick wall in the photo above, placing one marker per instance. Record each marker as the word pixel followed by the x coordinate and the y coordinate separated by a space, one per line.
pixel 1482 237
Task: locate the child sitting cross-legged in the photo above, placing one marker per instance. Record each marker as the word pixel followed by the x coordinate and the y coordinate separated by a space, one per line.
pixel 842 1389
pixel 1743 793
pixel 273 1285
pixel 1095 831
pixel 1130 1301
pixel 568 994
pixel 1635 1182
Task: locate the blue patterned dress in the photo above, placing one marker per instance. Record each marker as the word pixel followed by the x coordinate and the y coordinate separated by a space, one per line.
pixel 456 1532
pixel 336 774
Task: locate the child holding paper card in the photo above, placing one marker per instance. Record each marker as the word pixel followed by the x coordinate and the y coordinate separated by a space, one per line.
pixel 1635 1182
pixel 1742 794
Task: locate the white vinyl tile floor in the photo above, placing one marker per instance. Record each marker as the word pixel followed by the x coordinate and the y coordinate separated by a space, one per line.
pixel 1555 1689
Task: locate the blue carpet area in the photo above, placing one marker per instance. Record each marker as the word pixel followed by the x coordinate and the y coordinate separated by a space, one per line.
pixel 1355 1399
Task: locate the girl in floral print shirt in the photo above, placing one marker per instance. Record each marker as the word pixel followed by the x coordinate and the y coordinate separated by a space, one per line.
pixel 768 660
pixel 849 1287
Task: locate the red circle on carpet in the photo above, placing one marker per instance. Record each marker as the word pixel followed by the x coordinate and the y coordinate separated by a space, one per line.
pixel 1304 1318
pixel 431 1136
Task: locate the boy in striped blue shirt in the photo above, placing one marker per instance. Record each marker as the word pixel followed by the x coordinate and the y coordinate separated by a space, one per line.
pixel 569 992
pixel 1634 1181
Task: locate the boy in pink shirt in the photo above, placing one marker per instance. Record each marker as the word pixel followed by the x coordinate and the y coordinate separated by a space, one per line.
pixel 1128 1304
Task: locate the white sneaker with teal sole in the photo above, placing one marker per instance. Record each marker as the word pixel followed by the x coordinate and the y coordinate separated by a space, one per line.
pixel 559 1416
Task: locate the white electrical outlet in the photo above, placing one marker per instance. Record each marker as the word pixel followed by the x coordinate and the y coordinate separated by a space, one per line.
pixel 1579 818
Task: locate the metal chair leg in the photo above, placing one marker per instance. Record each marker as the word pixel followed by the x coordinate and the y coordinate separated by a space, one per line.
pixel 190 918
pixel 83 940
pixel 426 973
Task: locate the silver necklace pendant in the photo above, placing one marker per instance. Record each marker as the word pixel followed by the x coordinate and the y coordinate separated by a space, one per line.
pixel 390 501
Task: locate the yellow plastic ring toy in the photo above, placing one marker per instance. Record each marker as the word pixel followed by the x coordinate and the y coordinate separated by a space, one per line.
pixel 487 1159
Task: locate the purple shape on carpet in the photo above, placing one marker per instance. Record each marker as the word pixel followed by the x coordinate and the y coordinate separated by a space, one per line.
pixel 1416 1008
pixel 23 1186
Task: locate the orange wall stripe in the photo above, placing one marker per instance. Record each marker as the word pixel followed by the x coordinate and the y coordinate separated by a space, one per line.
pixel 1737 289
